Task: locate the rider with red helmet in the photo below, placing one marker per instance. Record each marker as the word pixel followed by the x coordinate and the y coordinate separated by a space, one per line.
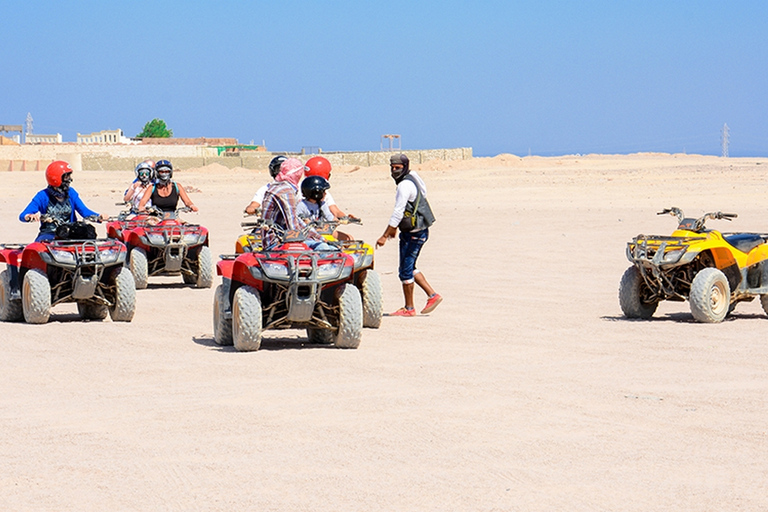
pixel 320 166
pixel 58 201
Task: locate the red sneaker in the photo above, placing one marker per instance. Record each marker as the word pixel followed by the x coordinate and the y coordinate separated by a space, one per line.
pixel 432 303
pixel 404 312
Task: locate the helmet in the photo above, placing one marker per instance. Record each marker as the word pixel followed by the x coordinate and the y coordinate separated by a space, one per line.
pixel 274 165
pixel 164 171
pixel 313 187
pixel 144 172
pixel 54 173
pixel 318 166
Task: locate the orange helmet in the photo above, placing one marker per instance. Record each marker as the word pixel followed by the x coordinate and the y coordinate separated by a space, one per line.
pixel 318 166
pixel 56 171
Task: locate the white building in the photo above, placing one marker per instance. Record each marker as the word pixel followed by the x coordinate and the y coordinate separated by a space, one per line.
pixel 36 138
pixel 104 137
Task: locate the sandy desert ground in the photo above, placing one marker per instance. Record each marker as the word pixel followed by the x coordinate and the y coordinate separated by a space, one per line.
pixel 525 390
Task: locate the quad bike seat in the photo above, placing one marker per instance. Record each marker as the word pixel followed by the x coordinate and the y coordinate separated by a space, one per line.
pixel 744 242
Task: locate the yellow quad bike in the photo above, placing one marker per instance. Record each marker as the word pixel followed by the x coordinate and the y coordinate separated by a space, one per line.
pixel 365 278
pixel 712 270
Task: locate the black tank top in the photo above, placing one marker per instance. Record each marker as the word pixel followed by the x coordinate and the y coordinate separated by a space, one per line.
pixel 167 204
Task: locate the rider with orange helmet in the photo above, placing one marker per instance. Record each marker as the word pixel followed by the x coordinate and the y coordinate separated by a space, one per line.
pixel 59 201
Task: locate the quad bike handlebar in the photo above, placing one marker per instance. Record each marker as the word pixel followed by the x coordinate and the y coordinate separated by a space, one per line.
pixel 697 224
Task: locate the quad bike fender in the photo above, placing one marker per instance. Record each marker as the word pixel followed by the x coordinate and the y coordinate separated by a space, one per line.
pixel 10 256
pixel 758 254
pixel 241 272
pixel 224 268
pixel 31 258
pixel 723 257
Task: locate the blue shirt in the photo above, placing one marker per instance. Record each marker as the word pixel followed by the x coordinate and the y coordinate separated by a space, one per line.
pixel 42 200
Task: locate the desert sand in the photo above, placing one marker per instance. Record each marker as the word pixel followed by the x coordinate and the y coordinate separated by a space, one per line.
pixel 525 390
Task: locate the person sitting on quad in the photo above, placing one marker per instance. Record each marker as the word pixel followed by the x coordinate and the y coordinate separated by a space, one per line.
pixel 258 198
pixel 144 180
pixel 314 207
pixel 280 207
pixel 58 202
pixel 320 166
pixel 165 193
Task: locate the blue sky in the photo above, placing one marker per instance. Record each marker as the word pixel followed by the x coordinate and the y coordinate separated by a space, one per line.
pixel 542 77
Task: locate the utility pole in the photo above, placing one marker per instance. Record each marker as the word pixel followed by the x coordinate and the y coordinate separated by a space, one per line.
pixel 29 127
pixel 724 136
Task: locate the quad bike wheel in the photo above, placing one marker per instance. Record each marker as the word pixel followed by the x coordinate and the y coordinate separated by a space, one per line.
pixel 320 336
pixel 10 310
pixel 246 319
pixel 204 268
pixel 372 299
pixel 350 318
pixel 36 297
pixel 710 296
pixel 631 291
pixel 125 296
pixel 222 326
pixel 139 267
pixel 90 311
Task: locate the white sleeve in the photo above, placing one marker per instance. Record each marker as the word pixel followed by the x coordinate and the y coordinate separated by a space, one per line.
pixel 406 192
pixel 259 197
pixel 329 199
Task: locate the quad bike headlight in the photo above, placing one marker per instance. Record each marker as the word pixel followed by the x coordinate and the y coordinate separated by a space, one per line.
pixel 154 239
pixel 110 256
pixel 64 257
pixel 275 270
pixel 329 270
pixel 672 256
pixel 193 238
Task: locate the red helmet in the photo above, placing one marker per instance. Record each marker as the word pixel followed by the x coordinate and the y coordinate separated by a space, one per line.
pixel 318 166
pixel 56 171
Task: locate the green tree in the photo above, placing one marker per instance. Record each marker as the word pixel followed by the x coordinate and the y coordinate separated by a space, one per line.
pixel 155 129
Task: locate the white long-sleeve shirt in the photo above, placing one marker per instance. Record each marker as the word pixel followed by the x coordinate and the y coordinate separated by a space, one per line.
pixel 406 193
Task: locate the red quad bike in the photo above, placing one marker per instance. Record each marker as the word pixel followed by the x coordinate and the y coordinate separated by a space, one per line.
pixel 290 286
pixel 161 244
pixel 74 267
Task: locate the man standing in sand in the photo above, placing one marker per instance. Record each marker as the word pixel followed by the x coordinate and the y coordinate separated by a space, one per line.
pixel 413 216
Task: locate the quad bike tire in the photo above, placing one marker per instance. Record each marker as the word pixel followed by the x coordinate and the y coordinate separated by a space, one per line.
pixel 204 268
pixel 10 310
pixel 90 311
pixel 350 330
pixel 710 296
pixel 246 319
pixel 36 297
pixel 125 296
pixel 222 326
pixel 630 295
pixel 139 267
pixel 320 336
pixel 373 301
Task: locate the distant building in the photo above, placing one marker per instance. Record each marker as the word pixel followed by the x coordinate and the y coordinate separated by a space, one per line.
pixel 36 138
pixel 104 137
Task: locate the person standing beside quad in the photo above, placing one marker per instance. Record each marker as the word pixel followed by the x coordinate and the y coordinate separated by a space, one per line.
pixel 413 216
pixel 165 193
pixel 59 201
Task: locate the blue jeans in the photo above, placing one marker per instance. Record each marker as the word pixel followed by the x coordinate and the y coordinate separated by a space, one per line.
pixel 410 247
